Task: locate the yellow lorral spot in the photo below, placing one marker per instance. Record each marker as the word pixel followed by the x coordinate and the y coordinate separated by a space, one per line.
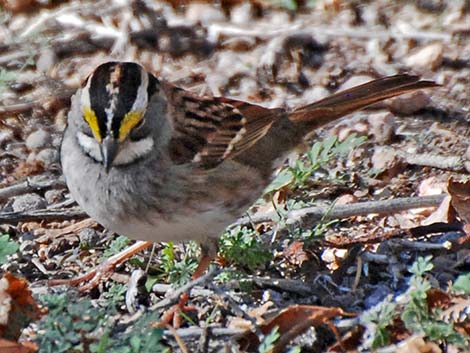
pixel 130 120
pixel 92 120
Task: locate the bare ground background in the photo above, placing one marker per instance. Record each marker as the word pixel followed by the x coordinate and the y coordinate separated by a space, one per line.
pixel 274 54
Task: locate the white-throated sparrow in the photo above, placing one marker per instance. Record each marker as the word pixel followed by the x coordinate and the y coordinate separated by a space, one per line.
pixel 154 162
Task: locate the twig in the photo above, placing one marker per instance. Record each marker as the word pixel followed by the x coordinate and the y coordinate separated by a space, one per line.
pixel 454 163
pixel 309 215
pixel 195 332
pixel 42 215
pixel 30 185
pixel 174 296
pixel 284 285
pixel 420 245
pixel 268 32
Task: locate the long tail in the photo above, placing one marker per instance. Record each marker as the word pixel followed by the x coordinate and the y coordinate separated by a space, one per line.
pixel 342 103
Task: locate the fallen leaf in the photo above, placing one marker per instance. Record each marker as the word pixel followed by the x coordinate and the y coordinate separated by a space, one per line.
pixel 291 322
pixel 295 253
pixel 460 193
pixel 20 305
pixel 14 347
pixel 416 344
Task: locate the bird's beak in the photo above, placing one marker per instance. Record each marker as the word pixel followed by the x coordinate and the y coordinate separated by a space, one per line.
pixel 109 150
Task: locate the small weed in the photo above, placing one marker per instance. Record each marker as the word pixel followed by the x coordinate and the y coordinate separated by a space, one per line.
pixel 416 314
pixel 178 272
pixel 117 245
pixel 115 295
pixel 378 319
pixel 269 340
pixel 462 284
pixel 243 247
pixel 5 78
pixel 413 310
pixel 80 326
pixel 321 153
pixel 7 247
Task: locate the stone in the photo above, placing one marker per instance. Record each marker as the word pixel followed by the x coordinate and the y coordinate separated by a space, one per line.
pixel 429 57
pixel 38 139
pixel 28 202
pixel 48 156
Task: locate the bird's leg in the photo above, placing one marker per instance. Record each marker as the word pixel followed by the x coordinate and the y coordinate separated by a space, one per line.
pixel 94 276
pixel 208 253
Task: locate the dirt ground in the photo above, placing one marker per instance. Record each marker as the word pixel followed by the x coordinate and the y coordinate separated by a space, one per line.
pixel 276 54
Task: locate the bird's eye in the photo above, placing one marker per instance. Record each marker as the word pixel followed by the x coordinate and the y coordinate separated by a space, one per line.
pixel 139 124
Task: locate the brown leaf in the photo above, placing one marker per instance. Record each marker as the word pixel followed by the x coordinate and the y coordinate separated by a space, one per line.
pixel 13 347
pixel 295 253
pixel 460 193
pixel 22 307
pixel 416 344
pixel 437 299
pixel 291 322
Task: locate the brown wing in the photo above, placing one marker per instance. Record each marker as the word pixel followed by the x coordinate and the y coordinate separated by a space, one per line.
pixel 208 130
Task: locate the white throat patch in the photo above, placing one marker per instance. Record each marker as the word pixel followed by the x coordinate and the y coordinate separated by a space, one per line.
pixel 129 151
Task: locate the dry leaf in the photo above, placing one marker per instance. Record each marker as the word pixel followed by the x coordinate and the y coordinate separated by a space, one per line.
pixel 460 193
pixel 13 347
pixel 416 344
pixel 18 306
pixel 295 253
pixel 291 322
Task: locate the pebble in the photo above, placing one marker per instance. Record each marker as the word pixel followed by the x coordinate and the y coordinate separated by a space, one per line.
pixel 88 238
pixel 410 103
pixel 38 139
pixel 54 196
pixel 204 13
pixel 428 57
pixel 48 156
pixel 383 158
pixel 28 202
pixel 382 126
pixel 242 13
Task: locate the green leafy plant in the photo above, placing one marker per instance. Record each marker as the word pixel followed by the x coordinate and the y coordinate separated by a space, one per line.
pixel 5 78
pixel 117 245
pixel 462 284
pixel 413 310
pixel 378 319
pixel 178 271
pixel 417 316
pixel 78 325
pixel 243 247
pixel 317 156
pixel 7 247
pixel 269 340
pixel 142 338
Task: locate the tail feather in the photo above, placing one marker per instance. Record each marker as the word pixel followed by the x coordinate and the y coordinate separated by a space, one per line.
pixel 342 103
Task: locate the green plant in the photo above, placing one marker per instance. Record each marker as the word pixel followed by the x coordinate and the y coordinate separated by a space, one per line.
pixel 5 78
pixel 78 325
pixel 413 309
pixel 462 284
pixel 142 338
pixel 243 247
pixel 117 245
pixel 68 325
pixel 317 156
pixel 115 295
pixel 417 316
pixel 378 319
pixel 178 272
pixel 7 247
pixel 269 340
